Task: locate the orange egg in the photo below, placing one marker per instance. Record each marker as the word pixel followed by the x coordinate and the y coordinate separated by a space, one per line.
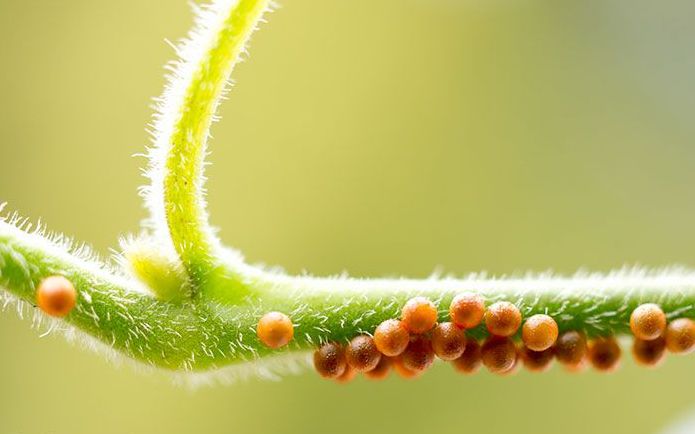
pixel 361 354
pixel 419 355
pixel 467 310
pixel 381 370
pixel 56 296
pixel 470 360
pixel 329 360
pixel 570 348
pixel 503 319
pixel 499 354
pixel 539 332
pixel 404 371
pixel 391 338
pixel 448 341
pixel 648 322
pixel 347 376
pixel 604 354
pixel 419 315
pixel 680 336
pixel 275 329
pixel 649 353
pixel 537 361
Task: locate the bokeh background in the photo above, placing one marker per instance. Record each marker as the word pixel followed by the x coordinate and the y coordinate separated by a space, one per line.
pixel 385 137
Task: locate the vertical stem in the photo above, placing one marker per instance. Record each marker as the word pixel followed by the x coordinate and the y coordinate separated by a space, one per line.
pixel 198 83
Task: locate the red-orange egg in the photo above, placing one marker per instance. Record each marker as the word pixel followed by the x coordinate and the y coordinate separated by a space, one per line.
pixel 381 370
pixel 419 355
pixel 537 361
pixel 275 329
pixel 604 354
pixel 499 354
pixel 578 367
pixel 391 337
pixel 329 360
pixel 470 360
pixel 539 332
pixel 404 371
pixel 648 322
pixel 361 353
pixel 448 341
pixel 516 366
pixel 680 336
pixel 56 296
pixel 467 310
pixel 570 348
pixel 649 353
pixel 419 315
pixel 503 319
pixel 347 376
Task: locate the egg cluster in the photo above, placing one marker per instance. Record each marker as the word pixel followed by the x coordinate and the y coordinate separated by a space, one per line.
pixel 409 345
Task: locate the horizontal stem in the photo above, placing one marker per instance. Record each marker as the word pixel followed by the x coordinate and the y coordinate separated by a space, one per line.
pixel 598 304
pixel 206 333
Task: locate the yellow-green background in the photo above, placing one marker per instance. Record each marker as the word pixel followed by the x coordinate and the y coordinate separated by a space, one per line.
pixel 381 137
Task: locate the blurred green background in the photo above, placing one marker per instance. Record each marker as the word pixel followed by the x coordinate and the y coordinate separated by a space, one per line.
pixel 383 137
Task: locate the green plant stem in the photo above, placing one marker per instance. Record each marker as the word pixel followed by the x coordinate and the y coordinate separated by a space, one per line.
pixel 205 334
pixel 186 217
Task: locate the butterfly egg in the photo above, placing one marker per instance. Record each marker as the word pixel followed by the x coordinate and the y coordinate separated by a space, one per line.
pixel 467 310
pixel 275 329
pixel 469 362
pixel 361 353
pixel 537 361
pixel 381 370
pixel 516 366
pixel 403 371
pixel 391 338
pixel 419 315
pixel 498 354
pixel 570 348
pixel 680 336
pixel 347 376
pixel 56 296
pixel 578 368
pixel 329 360
pixel 604 354
pixel 503 319
pixel 539 332
pixel 649 353
pixel 448 341
pixel 648 322
pixel 419 355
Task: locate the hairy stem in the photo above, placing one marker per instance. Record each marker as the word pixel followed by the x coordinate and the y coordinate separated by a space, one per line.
pixel 205 334
pixel 189 107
